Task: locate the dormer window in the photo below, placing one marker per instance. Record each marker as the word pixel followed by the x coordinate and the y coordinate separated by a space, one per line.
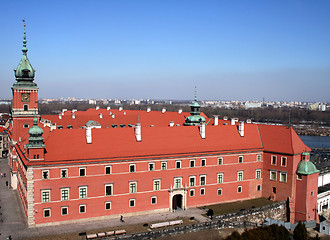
pixel 25 72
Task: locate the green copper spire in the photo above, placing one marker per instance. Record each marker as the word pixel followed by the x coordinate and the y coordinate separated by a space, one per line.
pixel 35 140
pixel 195 118
pixel 24 73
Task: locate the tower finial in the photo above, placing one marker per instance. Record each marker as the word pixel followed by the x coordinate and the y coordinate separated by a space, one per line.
pixel 24 49
pixel 195 93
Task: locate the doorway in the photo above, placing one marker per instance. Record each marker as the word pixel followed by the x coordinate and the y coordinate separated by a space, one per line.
pixel 177 202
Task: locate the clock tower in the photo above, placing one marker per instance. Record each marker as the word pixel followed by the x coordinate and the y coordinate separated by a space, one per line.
pixel 25 93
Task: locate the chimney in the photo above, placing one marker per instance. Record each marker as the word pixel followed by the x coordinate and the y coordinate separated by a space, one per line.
pixel 248 121
pixel 74 110
pixel 89 135
pixel 225 118
pixel 163 110
pixel 171 123
pixel 180 111
pixel 124 113
pixel 216 120
pixel 120 109
pixel 233 121
pixel 148 109
pixel 97 108
pixel 60 116
pixel 73 116
pixel 202 130
pixel 113 116
pixel 241 128
pixel 138 132
pixel 108 108
pixel 101 116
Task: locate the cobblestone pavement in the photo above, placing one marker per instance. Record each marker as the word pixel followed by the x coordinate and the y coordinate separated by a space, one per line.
pixel 13 223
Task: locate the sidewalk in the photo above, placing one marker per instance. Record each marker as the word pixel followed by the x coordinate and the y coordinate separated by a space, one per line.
pixel 14 222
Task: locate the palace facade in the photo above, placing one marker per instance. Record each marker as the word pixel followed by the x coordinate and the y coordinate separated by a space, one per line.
pixel 103 163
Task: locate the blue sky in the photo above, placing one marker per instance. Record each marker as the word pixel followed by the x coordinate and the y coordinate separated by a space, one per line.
pixel 230 50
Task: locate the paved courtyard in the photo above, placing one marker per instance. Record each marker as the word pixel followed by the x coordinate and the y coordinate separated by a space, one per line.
pixel 13 223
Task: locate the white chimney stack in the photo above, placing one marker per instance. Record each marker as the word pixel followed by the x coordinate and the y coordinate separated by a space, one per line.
pixel 108 108
pixel 248 121
pixel 216 120
pixel 124 113
pixel 113 116
pixel 73 116
pixel 120 109
pixel 180 111
pixel 171 123
pixel 60 116
pixel 148 109
pixel 225 118
pixel 97 107
pixel 233 121
pixel 101 116
pixel 163 110
pixel 241 128
pixel 88 135
pixel 202 130
pixel 138 132
pixel 74 110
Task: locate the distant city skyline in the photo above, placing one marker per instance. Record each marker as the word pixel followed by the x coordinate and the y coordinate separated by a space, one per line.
pixel 230 50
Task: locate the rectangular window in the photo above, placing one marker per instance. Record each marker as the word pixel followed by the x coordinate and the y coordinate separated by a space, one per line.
pixel 45 174
pixel 82 192
pixel 273 160
pixel 192 192
pixel 151 166
pixel 82 208
pixel 273 175
pixel 240 176
pixel 299 177
pixel 258 158
pixel 177 182
pixel 82 172
pixel 64 211
pixel 64 173
pixel 132 202
pixel 202 191
pixel 178 164
pixel 164 165
pixel 283 177
pixel 132 168
pixel 47 212
pixel 108 189
pixel 239 189
pixel 192 181
pixel 259 188
pixel 202 180
pixel 283 161
pixel 153 200
pixel 219 191
pixel 156 185
pixel 220 177
pixel 220 161
pixel 192 163
pixel 107 205
pixel 26 126
pixel 45 196
pixel 240 159
pixel 203 162
pixel 132 187
pixel 107 170
pixel 258 173
pixel 64 194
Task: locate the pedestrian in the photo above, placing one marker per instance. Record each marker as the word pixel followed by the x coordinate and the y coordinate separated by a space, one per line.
pixel 6 183
pixel 4 174
pixel 122 218
pixel 1 174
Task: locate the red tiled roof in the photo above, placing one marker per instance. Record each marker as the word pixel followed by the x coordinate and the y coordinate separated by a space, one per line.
pixel 281 139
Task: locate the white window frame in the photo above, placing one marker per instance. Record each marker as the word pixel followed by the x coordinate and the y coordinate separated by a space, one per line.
pixel 105 170
pixel 299 176
pixel 240 176
pixel 273 157
pixel 132 165
pixel 219 190
pixel 44 200
pixel 84 206
pixel 163 164
pixel 192 163
pixel 85 172
pixel 132 186
pixel 155 185
pixel 202 191
pixel 175 182
pixel 220 160
pixel 68 193
pixel 239 189
pixel 50 212
pixel 259 186
pixel 200 180
pixel 220 177
pixel 132 200
pixel 240 159
pixel 42 174
pixel 67 210
pixel 176 164
pixel 81 192
pixel 192 191
pixel 153 197
pixel 258 173
pixel 194 182
pixel 286 177
pixel 286 161
pixel 105 189
pixel 203 160
pixel 270 175
pixel 258 157
pixel 66 172
pixel 105 205
pixel 151 166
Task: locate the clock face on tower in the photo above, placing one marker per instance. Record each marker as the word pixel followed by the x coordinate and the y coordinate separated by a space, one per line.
pixel 25 97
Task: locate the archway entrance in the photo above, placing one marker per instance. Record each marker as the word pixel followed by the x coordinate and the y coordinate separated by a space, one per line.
pixel 177 202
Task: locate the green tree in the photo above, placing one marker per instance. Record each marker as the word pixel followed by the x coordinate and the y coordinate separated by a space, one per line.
pixel 300 232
